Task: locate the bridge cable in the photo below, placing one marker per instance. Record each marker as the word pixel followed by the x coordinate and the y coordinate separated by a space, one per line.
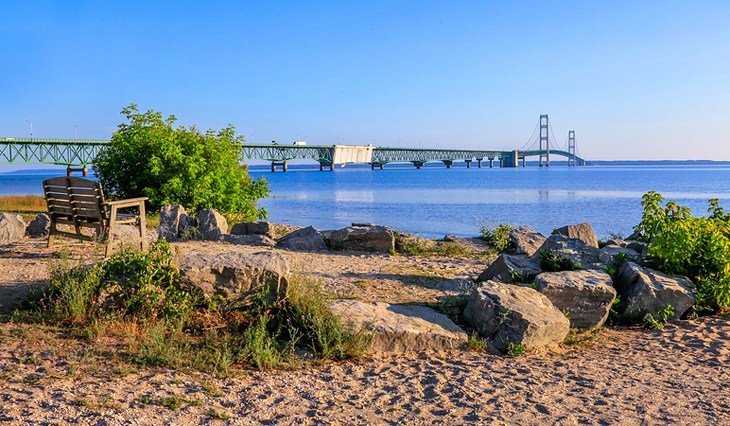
pixel 530 142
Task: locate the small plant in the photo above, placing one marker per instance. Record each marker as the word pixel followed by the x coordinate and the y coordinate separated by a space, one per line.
pixel 515 349
pixel 476 343
pixel 566 313
pixel 259 347
pixel 171 402
pixel 555 262
pixel 620 258
pixel 657 322
pixel 496 236
pixel 578 337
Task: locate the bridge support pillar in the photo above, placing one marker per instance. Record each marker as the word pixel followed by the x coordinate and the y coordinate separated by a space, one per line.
pixel 70 170
pixel 479 162
pixel 448 163
pixel 283 165
pixel 468 164
pixel 418 164
pixel 322 165
pixel 524 161
pixel 491 163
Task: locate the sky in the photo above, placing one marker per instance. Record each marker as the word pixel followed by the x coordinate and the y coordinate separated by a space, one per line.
pixel 635 80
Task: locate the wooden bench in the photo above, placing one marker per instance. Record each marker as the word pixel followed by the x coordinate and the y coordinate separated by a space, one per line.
pixel 80 203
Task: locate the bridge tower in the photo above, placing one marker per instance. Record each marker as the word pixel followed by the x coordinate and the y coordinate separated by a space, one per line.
pixel 544 140
pixel 571 147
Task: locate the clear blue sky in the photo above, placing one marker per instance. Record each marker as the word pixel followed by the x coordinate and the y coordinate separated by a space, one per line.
pixel 636 80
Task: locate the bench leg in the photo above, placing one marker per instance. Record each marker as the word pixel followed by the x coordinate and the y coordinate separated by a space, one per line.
pixel 51 235
pixel 142 227
pixel 110 233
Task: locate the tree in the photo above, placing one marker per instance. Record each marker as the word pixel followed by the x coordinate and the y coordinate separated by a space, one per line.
pixel 150 157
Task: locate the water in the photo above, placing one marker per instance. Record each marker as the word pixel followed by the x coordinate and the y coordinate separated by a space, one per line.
pixel 435 201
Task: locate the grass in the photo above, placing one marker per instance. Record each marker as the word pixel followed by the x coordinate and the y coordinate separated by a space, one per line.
pixel 476 343
pixel 582 338
pixel 412 245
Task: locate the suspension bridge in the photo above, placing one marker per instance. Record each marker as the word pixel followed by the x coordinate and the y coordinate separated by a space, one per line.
pixel 78 154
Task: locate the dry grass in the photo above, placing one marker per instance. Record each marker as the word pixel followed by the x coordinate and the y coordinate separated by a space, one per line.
pixel 22 204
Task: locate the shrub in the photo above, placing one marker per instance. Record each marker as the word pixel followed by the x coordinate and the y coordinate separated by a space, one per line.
pixel 496 236
pixel 657 322
pixel 698 247
pixel 149 157
pixel 555 262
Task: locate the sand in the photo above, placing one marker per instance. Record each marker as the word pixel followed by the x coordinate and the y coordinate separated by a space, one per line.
pixel 624 376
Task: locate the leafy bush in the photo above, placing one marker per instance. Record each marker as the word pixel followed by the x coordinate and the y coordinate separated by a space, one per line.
pixel 657 322
pixel 555 262
pixel 496 236
pixel 150 157
pixel 698 247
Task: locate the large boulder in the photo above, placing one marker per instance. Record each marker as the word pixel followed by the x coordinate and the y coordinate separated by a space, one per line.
pixel 188 229
pixel 610 254
pixel 400 328
pixel 211 225
pixel 169 228
pixel 506 315
pixel 511 269
pixel 586 296
pixel 305 239
pixel 582 231
pixel 12 228
pixel 39 227
pixel 363 238
pixel 574 249
pixel 525 240
pixel 252 228
pixel 235 276
pixel 256 240
pixel 646 291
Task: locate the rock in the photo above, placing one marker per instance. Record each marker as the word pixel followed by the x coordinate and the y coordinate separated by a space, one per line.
pixel 511 269
pixel 188 229
pixel 363 238
pixel 127 234
pixel 305 239
pixel 12 228
pixel 582 231
pixel 252 228
pixel 211 225
pixel 473 242
pixel 169 228
pixel 506 314
pixel 525 240
pixel 249 240
pixel 400 328
pixel 236 276
pixel 607 255
pixel 39 227
pixel 587 296
pixel 617 242
pixel 638 246
pixel 645 290
pixel 573 249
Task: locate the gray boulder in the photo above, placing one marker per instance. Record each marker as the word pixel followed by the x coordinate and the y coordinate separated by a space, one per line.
pixel 608 254
pixel 169 228
pixel 211 225
pixel 235 276
pixel 12 228
pixel 256 240
pixel 400 328
pixel 646 291
pixel 506 314
pixel 525 240
pixel 509 268
pixel 586 296
pixel 582 231
pixel 39 227
pixel 252 228
pixel 305 239
pixel 573 249
pixel 363 238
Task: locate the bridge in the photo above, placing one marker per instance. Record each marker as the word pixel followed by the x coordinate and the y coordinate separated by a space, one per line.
pixel 78 154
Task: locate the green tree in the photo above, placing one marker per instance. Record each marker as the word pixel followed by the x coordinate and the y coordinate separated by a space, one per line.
pixel 148 156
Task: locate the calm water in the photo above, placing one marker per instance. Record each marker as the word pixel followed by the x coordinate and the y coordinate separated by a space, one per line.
pixel 434 201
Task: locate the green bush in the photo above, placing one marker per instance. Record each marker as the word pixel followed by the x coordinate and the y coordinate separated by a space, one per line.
pixel 496 236
pixel 698 247
pixel 659 320
pixel 150 157
pixel 555 262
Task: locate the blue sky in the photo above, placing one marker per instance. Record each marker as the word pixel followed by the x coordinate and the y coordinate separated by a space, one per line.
pixel 636 80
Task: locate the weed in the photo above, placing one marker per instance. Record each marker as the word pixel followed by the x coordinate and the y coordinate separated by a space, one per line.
pixel 657 322
pixel 497 236
pixel 259 347
pixel 476 343
pixel 556 262
pixel 171 402
pixel 578 337
pixel 515 349
pixel 218 415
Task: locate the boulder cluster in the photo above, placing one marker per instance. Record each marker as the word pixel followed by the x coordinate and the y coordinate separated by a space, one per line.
pixel 13 228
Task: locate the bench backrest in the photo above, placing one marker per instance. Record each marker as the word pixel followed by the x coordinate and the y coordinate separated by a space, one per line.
pixel 74 198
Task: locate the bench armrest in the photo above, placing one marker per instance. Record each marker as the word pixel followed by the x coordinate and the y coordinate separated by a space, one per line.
pixel 131 202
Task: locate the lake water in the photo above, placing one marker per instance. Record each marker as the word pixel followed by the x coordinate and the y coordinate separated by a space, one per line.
pixel 434 201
